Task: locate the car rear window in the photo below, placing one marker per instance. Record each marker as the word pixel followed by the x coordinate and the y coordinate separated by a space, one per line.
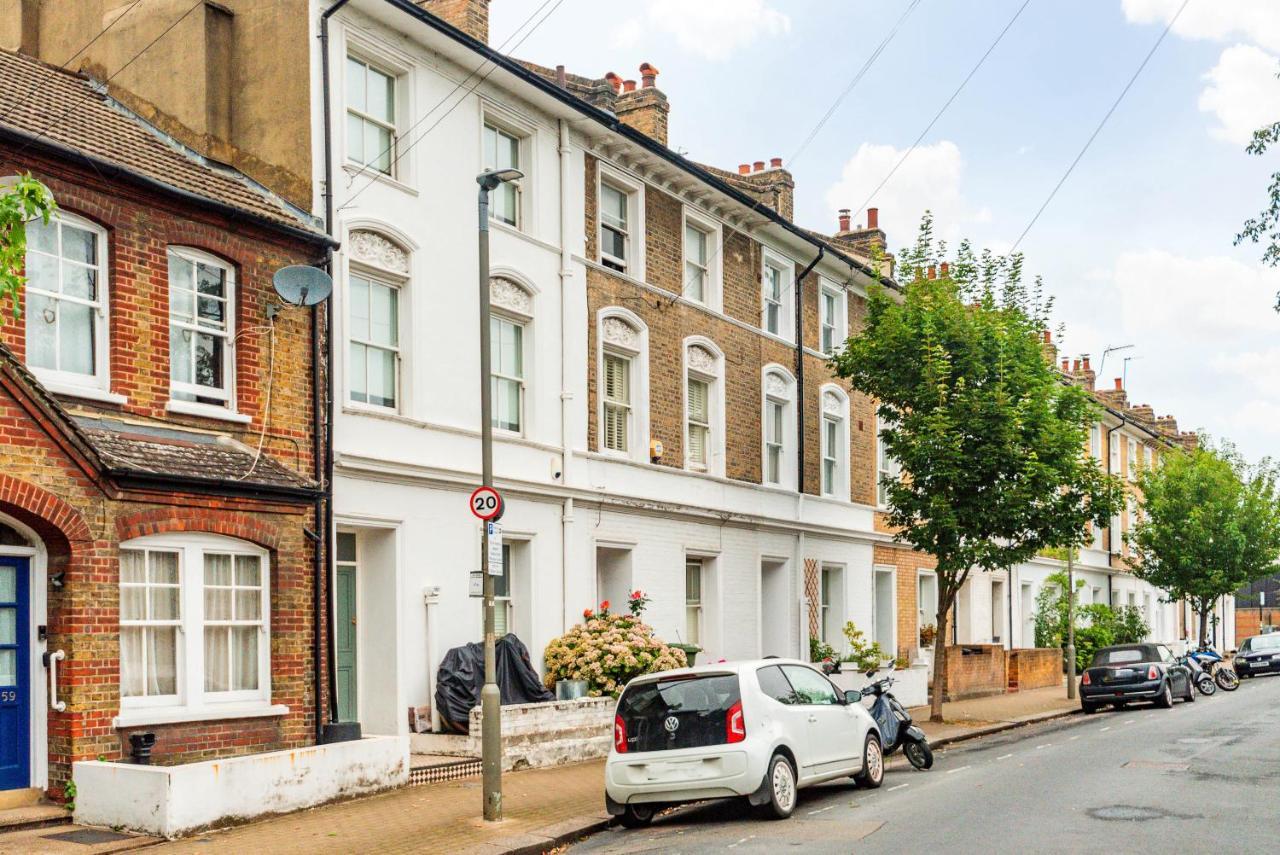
pixel 1119 657
pixel 683 712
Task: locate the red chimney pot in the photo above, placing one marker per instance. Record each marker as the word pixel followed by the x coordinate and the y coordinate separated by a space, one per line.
pixel 775 163
pixel 758 166
pixel 844 219
pixel 744 168
pixel 1048 337
pixel 946 269
pixel 873 218
pixel 933 271
pixel 1076 366
pixel 614 80
pixel 628 86
pixel 1086 364
pixel 1119 385
pixel 648 75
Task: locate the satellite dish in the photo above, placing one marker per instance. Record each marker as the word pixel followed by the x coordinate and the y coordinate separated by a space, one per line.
pixel 301 285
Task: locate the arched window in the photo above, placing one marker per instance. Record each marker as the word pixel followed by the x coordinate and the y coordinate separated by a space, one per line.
pixel 378 271
pixel 511 314
pixel 778 433
pixel 66 311
pixel 704 406
pixel 835 442
pixel 195 628
pixel 623 383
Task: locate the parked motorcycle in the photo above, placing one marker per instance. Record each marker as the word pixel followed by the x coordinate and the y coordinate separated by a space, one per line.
pixel 1213 662
pixel 896 728
pixel 1202 679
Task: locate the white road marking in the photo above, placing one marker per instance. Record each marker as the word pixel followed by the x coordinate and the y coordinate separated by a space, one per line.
pixel 898 787
pixel 821 810
pixel 1046 745
pixel 953 771
pixel 1004 756
pixel 743 840
pixel 1077 736
pixel 1131 721
pixel 1105 729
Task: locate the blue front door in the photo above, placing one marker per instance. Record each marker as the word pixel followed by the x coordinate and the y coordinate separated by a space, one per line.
pixel 15 677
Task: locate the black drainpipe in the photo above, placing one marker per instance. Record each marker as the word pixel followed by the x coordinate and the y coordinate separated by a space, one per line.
pixel 800 403
pixel 326 713
pixel 1110 528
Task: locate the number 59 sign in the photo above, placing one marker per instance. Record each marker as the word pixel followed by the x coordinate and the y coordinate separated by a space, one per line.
pixel 486 503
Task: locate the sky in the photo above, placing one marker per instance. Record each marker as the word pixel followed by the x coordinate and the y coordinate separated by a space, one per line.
pixel 1136 247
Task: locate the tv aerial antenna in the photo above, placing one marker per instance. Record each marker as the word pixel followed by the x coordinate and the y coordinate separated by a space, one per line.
pixel 1112 349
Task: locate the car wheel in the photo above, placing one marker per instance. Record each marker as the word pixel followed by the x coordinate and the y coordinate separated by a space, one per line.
pixel 872 763
pixel 1166 697
pixel 781 781
pixel 638 816
pixel 1206 685
pixel 1088 708
pixel 1190 697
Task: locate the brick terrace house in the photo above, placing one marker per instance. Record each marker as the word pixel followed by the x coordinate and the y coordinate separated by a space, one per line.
pixel 156 449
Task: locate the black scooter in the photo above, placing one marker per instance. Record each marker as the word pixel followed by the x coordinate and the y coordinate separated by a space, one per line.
pixel 896 729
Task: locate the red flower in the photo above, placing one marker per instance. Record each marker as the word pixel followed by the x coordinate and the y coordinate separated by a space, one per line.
pixel 636 594
pixel 604 606
pixel 586 613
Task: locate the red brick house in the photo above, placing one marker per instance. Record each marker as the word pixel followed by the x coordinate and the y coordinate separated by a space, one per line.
pixel 157 447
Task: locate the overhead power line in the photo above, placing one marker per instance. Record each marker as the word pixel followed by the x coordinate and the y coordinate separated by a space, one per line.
pixel 1101 124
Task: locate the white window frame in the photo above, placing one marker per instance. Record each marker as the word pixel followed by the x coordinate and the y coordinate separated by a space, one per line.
pixel 1095 442
pixel 526 135
pixel 833 406
pixel 713 292
pixel 637 354
pixel 1131 459
pixel 886 466
pixel 368 58
pixel 375 277
pixel 714 378
pixel 786 286
pixel 70 382
pixel 228 396
pixel 695 610
pixel 192 702
pixel 890 570
pixel 633 188
pixel 778 387
pixel 833 636
pixel 522 323
pixel 839 324
pixel 402 280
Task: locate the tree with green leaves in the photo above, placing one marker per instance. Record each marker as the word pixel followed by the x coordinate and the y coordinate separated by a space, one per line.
pixel 1210 524
pixel 991 442
pixel 22 199
pixel 1265 228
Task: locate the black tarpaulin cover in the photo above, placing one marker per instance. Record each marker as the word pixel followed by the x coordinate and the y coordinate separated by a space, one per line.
pixel 461 677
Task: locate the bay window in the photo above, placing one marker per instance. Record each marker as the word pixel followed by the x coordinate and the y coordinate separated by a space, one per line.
pixel 66 309
pixel 201 329
pixel 194 628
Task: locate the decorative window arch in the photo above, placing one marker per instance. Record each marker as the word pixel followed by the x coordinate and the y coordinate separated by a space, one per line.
pixel 510 320
pixel 834 442
pixel 622 372
pixel 778 428
pixel 377 300
pixel 67 304
pixel 703 406
pixel 195 628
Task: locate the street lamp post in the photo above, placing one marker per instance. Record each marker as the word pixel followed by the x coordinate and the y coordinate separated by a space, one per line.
pixel 490 696
pixel 1071 624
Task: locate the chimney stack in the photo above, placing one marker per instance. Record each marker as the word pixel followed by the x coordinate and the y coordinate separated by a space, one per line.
pixel 844 219
pixel 1119 385
pixel 470 16
pixel 933 272
pixel 561 78
pixel 946 270
pixel 615 81
pixel 645 109
pixel 1066 363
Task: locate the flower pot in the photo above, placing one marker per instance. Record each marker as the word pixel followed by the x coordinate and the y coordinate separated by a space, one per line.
pixel 568 690
pixel 691 652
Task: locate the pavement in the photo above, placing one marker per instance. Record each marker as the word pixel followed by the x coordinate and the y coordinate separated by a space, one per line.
pixel 543 808
pixel 1199 777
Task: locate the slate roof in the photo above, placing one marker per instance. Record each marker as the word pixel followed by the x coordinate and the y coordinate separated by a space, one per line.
pixel 141 450
pixel 72 111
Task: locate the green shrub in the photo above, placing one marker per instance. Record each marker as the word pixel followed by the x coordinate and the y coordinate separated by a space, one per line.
pixel 820 650
pixel 864 656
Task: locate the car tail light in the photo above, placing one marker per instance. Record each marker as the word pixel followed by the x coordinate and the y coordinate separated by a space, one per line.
pixel 1152 673
pixel 619 735
pixel 734 724
pixel 1086 681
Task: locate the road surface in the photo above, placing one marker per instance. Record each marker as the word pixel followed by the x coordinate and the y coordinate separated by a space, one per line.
pixel 1199 777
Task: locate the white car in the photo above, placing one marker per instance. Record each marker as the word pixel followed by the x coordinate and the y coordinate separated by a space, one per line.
pixel 760 729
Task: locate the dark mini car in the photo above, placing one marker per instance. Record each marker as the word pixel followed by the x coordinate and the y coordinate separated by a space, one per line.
pixel 1127 673
pixel 1258 655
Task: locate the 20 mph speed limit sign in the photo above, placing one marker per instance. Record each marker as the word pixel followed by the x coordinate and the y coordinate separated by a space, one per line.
pixel 486 503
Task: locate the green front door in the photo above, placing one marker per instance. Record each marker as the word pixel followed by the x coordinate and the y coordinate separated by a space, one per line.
pixel 345 627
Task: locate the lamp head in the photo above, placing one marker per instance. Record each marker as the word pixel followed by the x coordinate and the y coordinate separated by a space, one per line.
pixel 491 178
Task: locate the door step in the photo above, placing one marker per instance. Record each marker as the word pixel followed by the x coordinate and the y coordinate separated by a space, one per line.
pixel 435 769
pixel 33 816
pixel 25 797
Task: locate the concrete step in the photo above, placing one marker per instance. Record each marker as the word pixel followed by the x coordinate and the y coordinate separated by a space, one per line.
pixel 71 840
pixel 20 798
pixel 33 816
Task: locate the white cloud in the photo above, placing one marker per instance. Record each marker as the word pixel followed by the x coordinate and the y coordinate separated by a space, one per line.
pixel 1258 367
pixel 1256 21
pixel 712 29
pixel 929 180
pixel 1243 92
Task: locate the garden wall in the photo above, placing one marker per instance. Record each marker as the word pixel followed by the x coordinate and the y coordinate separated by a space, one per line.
pixel 1034 668
pixel 550 734
pixel 975 671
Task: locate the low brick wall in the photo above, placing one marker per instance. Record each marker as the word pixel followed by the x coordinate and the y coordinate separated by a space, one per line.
pixel 550 734
pixel 1035 668
pixel 975 671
